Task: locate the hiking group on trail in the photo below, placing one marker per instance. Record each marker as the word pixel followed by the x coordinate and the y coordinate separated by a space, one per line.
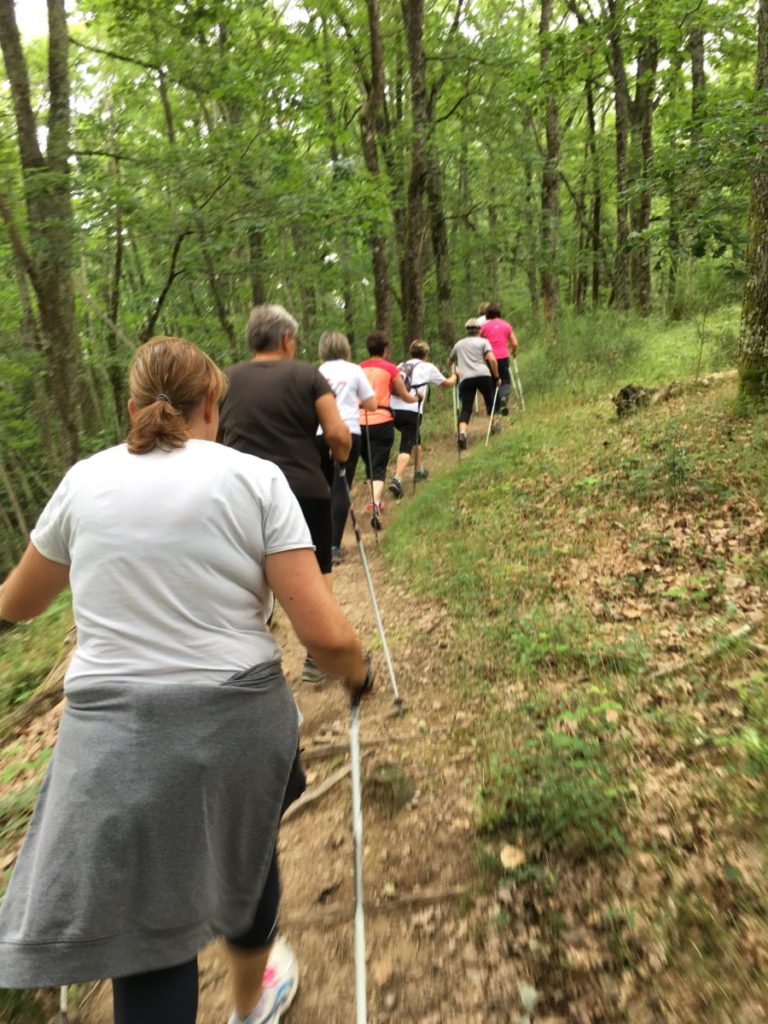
pixel 156 826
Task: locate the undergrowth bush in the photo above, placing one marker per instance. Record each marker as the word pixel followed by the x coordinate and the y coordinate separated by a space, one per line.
pixel 564 789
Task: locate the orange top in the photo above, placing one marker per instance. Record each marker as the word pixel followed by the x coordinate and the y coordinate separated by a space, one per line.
pixel 381 373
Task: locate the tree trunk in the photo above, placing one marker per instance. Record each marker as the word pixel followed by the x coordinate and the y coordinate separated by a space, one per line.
pixel 439 233
pixel 492 287
pixel 116 373
pixel 370 126
pixel 597 197
pixel 256 266
pixel 550 206
pixel 642 130
pixel 412 255
pixel 621 98
pixel 50 221
pixel 753 339
pixel 531 262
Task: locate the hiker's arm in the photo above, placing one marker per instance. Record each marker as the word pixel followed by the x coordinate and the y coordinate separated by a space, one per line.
pixel 490 358
pixel 449 382
pixel 31 586
pixel 398 388
pixel 335 430
pixel 513 342
pixel 369 404
pixel 320 624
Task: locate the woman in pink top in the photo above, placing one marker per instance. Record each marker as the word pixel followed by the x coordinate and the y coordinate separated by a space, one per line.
pixel 503 342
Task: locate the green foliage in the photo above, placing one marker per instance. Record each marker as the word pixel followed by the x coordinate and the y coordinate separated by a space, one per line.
pixel 750 742
pixel 29 651
pixel 563 789
pixel 18 802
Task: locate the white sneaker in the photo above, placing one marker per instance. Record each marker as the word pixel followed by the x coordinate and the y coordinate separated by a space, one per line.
pixel 281 979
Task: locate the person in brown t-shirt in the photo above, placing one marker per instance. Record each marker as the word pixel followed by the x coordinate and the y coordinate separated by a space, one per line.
pixel 273 408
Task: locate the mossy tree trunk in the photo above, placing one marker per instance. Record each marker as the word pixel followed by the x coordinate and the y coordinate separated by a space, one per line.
pixel 753 340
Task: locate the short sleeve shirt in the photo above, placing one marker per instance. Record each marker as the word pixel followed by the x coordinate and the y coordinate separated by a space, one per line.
pixel 498 332
pixel 422 375
pixel 167 553
pixel 269 411
pixel 380 374
pixel 350 386
pixel 469 355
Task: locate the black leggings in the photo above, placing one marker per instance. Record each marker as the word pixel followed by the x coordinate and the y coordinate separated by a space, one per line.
pixel 169 996
pixel 467 390
pixel 339 493
pixel 381 437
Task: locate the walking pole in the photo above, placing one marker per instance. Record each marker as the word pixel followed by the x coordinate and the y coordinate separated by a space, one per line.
pixel 490 418
pixel 518 385
pixel 372 593
pixel 375 521
pixel 63 1017
pixel 357 840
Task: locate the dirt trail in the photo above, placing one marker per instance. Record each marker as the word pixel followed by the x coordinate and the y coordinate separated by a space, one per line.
pixel 424 907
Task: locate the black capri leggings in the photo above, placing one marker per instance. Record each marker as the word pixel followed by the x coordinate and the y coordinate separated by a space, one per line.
pixel 408 423
pixel 467 389
pixel 382 437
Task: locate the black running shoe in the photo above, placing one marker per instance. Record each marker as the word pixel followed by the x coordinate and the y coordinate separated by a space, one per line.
pixel 396 487
pixel 462 442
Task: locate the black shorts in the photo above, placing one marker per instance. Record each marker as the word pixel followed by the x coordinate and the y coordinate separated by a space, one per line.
pixel 382 437
pixel 467 390
pixel 317 515
pixel 408 424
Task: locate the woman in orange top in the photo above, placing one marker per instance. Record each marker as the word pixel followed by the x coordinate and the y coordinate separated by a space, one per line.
pixel 378 427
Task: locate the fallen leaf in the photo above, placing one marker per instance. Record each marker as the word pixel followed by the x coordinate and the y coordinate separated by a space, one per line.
pixel 512 857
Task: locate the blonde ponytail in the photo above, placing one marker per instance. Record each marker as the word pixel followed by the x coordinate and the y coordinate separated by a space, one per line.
pixel 169 378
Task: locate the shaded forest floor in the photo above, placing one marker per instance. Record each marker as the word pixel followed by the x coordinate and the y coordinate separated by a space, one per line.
pixel 568 823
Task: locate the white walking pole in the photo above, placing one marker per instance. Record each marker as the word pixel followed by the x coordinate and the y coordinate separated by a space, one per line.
pixel 372 593
pixel 490 418
pixel 357 839
pixel 63 1005
pixel 518 385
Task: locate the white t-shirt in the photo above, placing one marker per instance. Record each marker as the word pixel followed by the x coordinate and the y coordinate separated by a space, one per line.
pixel 422 376
pixel 167 561
pixel 350 386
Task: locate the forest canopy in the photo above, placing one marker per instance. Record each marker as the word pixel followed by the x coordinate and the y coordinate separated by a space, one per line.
pixel 379 164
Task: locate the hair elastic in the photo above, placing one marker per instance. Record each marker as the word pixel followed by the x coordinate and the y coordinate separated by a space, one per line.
pixel 163 398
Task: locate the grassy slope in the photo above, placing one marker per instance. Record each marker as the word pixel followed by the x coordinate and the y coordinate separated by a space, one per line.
pixel 578 555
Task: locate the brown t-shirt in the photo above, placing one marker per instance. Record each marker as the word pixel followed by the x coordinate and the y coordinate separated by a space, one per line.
pixel 269 411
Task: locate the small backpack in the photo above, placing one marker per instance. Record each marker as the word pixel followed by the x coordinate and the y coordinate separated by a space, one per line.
pixel 406 372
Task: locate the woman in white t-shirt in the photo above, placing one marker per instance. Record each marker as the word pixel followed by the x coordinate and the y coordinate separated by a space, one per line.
pixel 418 374
pixel 353 392
pixel 156 826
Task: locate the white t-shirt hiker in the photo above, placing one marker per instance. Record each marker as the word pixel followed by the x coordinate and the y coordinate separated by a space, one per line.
pixel 350 386
pixel 422 375
pixel 186 530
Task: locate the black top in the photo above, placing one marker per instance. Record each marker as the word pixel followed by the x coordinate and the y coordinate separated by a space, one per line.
pixel 269 411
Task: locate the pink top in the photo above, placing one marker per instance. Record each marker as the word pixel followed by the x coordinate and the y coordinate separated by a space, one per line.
pixel 498 332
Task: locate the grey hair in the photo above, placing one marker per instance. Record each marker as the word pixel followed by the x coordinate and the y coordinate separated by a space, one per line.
pixel 333 345
pixel 266 327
